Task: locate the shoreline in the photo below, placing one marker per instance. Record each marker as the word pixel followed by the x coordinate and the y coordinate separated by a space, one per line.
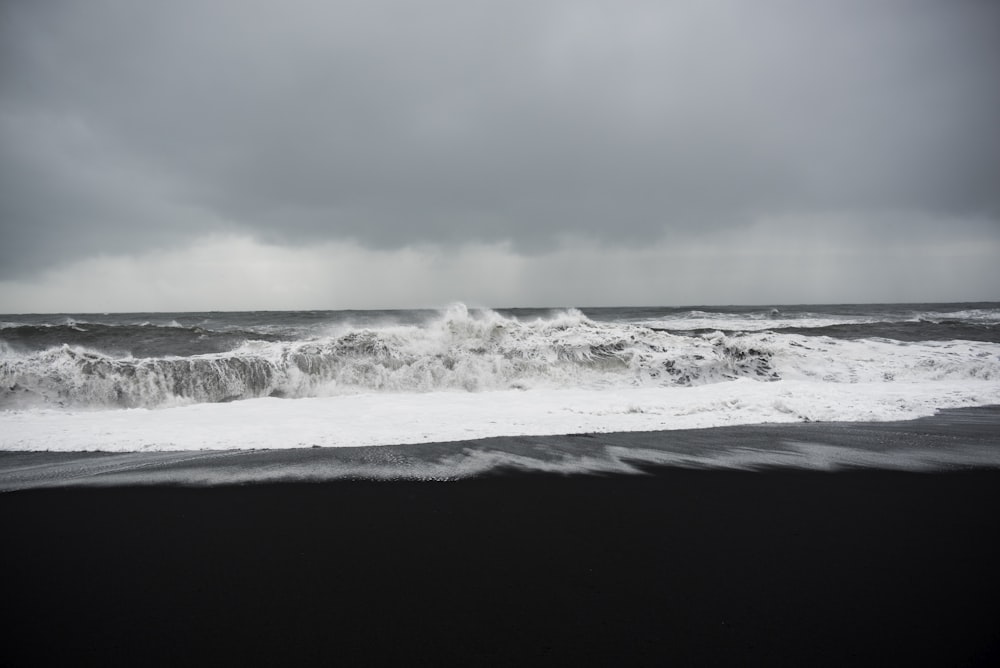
pixel 952 439
pixel 794 544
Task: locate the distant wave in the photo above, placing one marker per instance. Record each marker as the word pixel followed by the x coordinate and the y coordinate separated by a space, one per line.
pixel 138 340
pixel 913 323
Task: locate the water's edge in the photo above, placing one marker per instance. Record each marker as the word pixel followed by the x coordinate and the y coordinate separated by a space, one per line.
pixel 952 439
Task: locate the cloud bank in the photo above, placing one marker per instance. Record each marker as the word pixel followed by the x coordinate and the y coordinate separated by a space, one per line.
pixel 241 273
pixel 399 134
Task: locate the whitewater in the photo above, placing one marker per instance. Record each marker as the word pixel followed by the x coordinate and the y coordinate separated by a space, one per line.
pixel 219 381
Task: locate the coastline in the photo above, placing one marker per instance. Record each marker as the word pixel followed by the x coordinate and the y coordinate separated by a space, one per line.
pixel 952 439
pixel 513 565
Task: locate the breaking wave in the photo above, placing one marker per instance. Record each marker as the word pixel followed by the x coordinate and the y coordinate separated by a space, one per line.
pixel 459 350
pixel 456 351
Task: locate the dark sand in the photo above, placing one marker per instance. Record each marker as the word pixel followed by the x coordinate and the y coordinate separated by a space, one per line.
pixel 679 567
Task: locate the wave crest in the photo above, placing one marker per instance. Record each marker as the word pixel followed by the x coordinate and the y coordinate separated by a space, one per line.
pixel 458 350
pixel 473 351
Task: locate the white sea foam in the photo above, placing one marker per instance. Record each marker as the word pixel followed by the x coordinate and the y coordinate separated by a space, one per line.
pixel 379 419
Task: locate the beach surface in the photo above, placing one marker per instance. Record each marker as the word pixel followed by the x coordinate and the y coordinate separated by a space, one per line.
pixel 952 439
pixel 697 561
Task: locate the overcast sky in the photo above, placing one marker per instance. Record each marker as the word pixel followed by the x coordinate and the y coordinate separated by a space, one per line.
pixel 232 155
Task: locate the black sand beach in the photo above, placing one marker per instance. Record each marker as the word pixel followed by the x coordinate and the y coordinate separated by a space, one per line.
pixel 679 566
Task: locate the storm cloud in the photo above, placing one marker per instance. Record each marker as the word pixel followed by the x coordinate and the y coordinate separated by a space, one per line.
pixel 537 127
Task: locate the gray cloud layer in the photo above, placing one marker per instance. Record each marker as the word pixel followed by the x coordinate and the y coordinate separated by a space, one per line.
pixel 125 126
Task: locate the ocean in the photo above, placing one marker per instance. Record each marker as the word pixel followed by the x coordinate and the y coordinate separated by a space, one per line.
pixel 188 383
pixel 775 485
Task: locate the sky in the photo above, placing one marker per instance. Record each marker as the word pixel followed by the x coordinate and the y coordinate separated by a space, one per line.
pixel 228 155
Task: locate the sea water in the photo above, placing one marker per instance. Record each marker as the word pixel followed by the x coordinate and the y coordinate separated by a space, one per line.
pixel 219 381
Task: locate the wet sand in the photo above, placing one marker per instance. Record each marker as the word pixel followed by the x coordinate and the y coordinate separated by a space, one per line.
pixel 954 439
